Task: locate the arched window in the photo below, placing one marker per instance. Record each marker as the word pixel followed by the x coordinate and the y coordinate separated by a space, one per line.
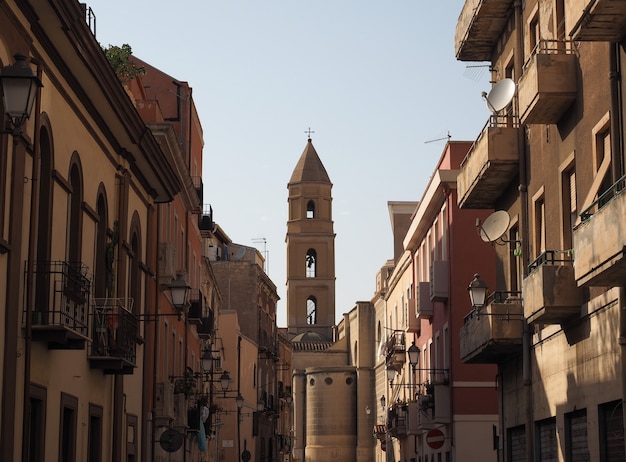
pixel 101 277
pixel 311 263
pixel 75 223
pixel 134 282
pixel 311 310
pixel 44 220
pixel 310 209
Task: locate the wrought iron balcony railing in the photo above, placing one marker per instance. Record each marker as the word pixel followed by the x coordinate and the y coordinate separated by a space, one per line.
pixel 114 336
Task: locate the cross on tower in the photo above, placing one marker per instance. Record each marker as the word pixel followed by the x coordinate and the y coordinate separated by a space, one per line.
pixel 308 132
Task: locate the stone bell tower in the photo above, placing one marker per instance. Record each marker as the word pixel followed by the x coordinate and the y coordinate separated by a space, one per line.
pixel 310 249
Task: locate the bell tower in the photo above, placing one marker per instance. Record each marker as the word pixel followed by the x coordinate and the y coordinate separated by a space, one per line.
pixel 310 248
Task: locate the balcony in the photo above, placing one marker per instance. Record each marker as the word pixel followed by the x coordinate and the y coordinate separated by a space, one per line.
pixel 114 336
pixel 439 276
pixel 547 86
pixel 424 303
pixel 595 20
pixel 599 240
pixel 205 221
pixel 61 315
pixel 550 293
pixel 493 332
pixel 396 420
pixel 490 165
pixel 431 410
pixel 206 328
pixel 196 307
pixel 395 350
pixel 480 25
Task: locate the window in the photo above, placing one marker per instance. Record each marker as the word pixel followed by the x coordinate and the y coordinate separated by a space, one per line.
pixel 310 209
pixel 131 438
pixel 75 219
pixel 94 443
pixel 547 447
pixel 37 425
pixel 104 250
pixel 134 282
pixel 611 431
pixel 515 259
pixel 570 214
pixel 42 283
pixel 540 224
pixel 516 438
pixel 576 436
pixel 311 263
pixel 67 428
pixel 311 310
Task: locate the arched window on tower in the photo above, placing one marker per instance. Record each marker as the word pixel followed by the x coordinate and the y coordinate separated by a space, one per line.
pixel 310 209
pixel 311 263
pixel 311 310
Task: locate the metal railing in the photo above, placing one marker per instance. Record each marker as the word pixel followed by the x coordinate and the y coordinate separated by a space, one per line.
pixel 607 196
pixel 115 329
pixel 62 295
pixel 498 296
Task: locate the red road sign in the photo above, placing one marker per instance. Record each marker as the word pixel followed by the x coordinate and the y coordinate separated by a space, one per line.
pixel 435 438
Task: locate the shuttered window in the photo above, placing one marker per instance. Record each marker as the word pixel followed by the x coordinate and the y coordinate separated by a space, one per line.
pixel 546 437
pixel 576 436
pixel 517 444
pixel 612 432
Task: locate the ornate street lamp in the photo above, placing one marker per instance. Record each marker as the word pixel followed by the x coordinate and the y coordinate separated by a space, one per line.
pixel 477 291
pixel 19 89
pixel 179 291
pixel 414 355
pixel 383 402
pixel 225 382
pixel 391 374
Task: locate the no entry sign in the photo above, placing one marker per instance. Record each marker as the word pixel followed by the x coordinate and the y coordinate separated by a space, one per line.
pixel 435 439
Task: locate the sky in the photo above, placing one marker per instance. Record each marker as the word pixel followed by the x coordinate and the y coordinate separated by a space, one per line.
pixel 377 83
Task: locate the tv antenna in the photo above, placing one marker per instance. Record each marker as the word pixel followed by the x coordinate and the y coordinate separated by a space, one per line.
pixel 500 95
pixel 266 254
pixel 447 137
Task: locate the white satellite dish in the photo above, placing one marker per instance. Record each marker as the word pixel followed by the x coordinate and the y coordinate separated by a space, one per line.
pixel 500 95
pixel 495 226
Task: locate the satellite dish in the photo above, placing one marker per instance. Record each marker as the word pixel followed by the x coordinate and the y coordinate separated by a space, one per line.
pixel 171 440
pixel 495 226
pixel 500 95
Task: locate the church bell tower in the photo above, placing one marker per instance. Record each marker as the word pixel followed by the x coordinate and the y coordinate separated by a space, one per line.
pixel 310 249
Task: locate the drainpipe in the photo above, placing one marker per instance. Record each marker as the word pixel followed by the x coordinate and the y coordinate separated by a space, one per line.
pixel 525 238
pixel 30 285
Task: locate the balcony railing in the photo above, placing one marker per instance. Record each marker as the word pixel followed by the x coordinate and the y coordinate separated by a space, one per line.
pixel 396 420
pixel 113 348
pixel 494 331
pixel 61 314
pixel 206 328
pixel 548 86
pixel 595 20
pixel 395 349
pixel 430 410
pixel 490 165
pixel 600 240
pixel 196 307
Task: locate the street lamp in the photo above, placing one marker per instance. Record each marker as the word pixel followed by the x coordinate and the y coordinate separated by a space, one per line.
pixel 383 402
pixel 414 355
pixel 19 88
pixel 179 291
pixel 391 374
pixel 207 361
pixel 477 291
pixel 225 382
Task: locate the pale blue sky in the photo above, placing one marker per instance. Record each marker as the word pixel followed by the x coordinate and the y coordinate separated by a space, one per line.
pixel 375 81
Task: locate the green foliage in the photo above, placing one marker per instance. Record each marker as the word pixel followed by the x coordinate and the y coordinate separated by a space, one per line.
pixel 119 58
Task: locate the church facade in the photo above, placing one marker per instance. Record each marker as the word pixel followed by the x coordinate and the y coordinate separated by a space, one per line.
pixel 332 371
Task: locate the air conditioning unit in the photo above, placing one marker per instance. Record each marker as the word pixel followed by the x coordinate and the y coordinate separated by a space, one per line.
pixel 439 281
pixel 164 402
pixel 180 410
